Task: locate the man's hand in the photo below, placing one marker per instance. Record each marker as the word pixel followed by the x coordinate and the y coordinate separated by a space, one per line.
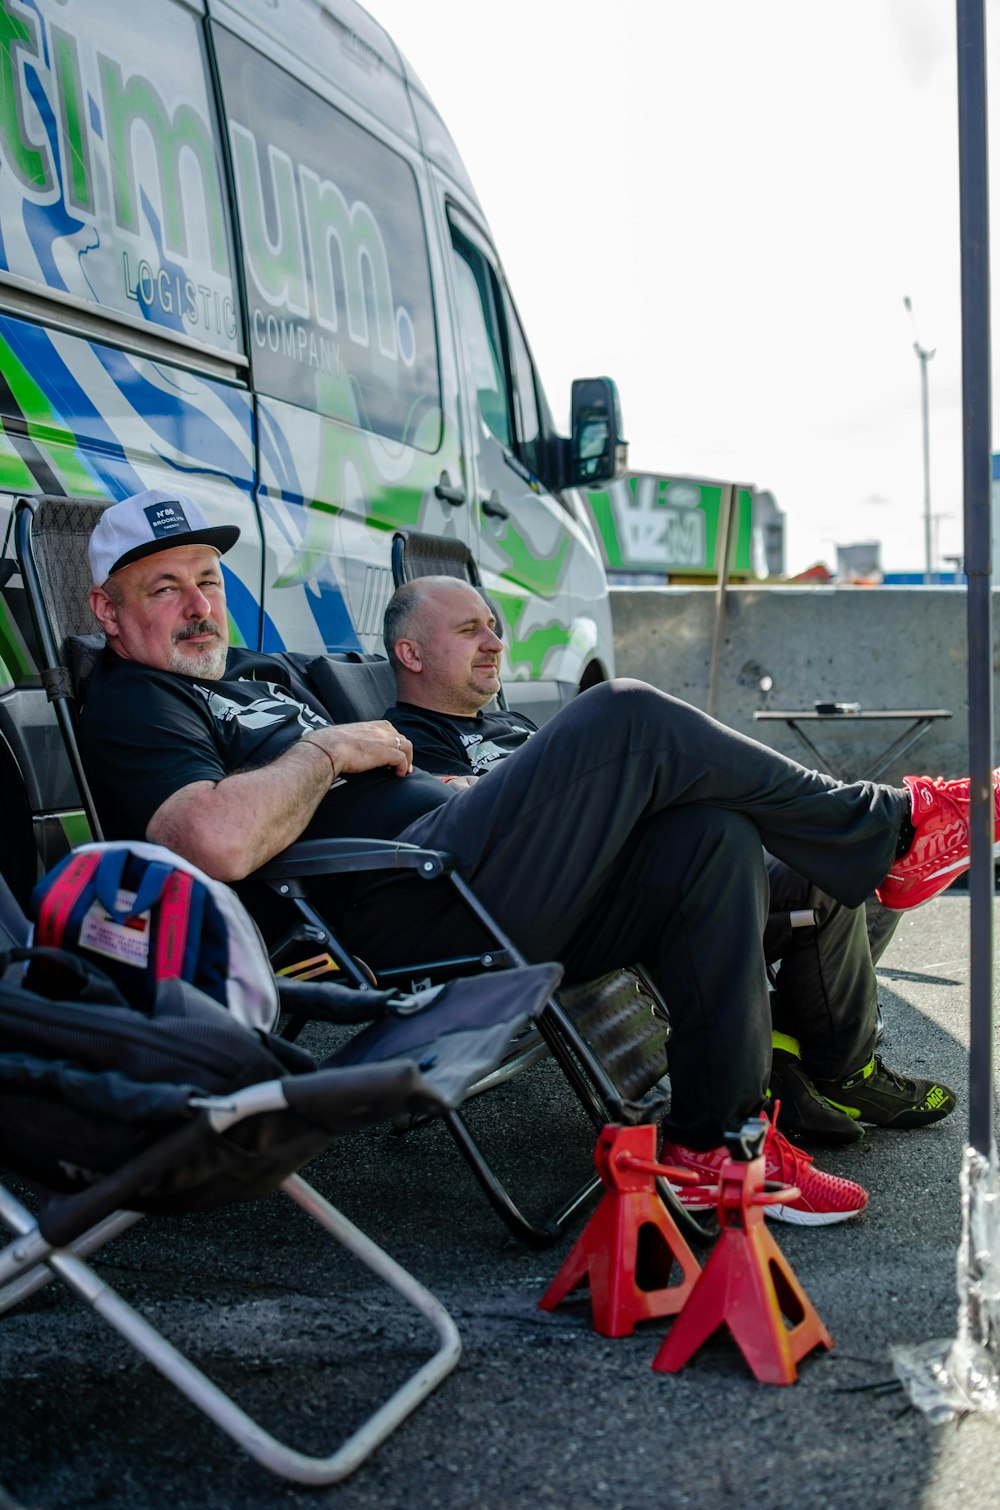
pixel 363 747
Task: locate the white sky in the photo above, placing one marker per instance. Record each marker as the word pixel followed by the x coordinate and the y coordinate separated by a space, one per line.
pixel 721 205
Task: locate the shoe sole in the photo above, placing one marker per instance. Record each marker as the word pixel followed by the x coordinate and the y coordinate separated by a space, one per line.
pixel 816 1139
pixel 903 1121
pixel 796 1217
pixel 907 1121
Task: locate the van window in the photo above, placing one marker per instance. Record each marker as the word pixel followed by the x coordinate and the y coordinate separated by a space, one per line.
pixel 501 372
pixel 338 286
pixel 110 174
pixel 479 318
pixel 529 429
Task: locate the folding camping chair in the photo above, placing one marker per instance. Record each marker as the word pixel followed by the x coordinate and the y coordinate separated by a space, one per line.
pixel 51 536
pixel 110 1114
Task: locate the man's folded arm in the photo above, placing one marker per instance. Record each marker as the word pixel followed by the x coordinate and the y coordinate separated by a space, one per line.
pixel 230 827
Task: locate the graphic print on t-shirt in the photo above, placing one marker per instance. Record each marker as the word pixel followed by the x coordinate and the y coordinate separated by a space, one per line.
pixel 484 753
pixel 260 711
pixel 245 725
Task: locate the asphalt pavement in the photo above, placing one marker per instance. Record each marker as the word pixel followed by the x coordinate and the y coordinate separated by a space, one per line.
pixel 541 1410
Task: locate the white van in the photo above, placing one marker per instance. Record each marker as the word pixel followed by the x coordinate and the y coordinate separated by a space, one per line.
pixel 240 257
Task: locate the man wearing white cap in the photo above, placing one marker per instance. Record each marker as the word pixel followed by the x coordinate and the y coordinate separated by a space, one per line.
pixel 162 606
pixel 629 828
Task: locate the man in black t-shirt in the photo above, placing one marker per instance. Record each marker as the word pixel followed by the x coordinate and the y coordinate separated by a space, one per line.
pixel 440 635
pixel 171 712
pixel 628 828
pixel 205 729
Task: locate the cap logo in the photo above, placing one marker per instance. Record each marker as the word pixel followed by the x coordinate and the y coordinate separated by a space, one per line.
pixel 166 519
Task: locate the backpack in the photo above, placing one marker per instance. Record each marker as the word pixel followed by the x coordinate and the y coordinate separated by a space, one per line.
pixel 143 915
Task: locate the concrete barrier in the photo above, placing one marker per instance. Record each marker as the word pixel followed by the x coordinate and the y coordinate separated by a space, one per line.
pixel 881 647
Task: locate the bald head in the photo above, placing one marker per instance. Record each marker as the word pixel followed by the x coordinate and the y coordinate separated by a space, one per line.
pixel 440 635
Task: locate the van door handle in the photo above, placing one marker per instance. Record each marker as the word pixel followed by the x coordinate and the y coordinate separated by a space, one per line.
pixel 447 493
pixel 494 507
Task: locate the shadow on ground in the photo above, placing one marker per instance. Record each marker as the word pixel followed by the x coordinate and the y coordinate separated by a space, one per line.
pixel 540 1410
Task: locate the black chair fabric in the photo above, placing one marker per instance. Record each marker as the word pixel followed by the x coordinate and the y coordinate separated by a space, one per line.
pixel 352 688
pixel 110 1113
pixel 85 1087
pixel 61 529
pixel 418 555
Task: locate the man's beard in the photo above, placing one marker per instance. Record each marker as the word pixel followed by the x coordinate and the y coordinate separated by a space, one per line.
pixel 486 677
pixel 208 661
pixel 480 688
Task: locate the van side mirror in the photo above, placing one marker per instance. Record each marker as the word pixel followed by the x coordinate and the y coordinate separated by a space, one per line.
pixel 598 451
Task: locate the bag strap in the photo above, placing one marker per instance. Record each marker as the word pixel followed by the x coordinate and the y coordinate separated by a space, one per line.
pixel 110 870
pixel 174 922
pixel 62 895
pixel 163 886
pixel 89 982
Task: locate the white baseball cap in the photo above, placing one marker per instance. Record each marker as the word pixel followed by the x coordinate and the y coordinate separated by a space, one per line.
pixel 149 522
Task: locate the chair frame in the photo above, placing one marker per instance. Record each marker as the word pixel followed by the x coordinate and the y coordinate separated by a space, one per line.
pixel 86 1222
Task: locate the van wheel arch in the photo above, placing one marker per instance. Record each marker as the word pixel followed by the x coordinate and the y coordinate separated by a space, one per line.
pixel 593 674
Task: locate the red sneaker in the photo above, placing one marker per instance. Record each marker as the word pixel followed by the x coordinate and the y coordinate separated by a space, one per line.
pixel 822 1199
pixel 940 851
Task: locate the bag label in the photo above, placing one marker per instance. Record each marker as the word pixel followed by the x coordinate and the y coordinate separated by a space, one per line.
pixel 126 942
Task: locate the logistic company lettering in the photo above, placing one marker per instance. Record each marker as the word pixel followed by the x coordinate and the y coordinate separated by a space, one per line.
pixel 317 229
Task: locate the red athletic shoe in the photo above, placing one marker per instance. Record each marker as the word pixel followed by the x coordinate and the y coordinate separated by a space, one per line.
pixel 940 852
pixel 822 1199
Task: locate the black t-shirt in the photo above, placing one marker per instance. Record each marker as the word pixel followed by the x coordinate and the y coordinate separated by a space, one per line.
pixel 450 745
pixel 145 734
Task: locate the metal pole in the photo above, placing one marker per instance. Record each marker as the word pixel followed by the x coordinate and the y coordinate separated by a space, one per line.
pixel 723 561
pixel 974 224
pixel 924 357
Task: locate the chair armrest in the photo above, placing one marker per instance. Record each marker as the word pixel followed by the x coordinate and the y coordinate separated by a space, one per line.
pixel 331 857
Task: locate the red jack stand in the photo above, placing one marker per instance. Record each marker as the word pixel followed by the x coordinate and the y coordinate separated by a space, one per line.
pixel 749 1285
pixel 630 1235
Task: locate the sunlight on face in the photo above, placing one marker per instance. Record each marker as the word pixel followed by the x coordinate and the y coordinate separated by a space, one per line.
pixel 168 611
pixel 459 649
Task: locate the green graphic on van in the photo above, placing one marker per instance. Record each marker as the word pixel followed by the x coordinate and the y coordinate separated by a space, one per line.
pixel 529 650
pixel 45 428
pixel 115 191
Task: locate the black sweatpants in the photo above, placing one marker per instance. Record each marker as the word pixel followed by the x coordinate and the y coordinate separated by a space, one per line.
pixel 825 993
pixel 630 828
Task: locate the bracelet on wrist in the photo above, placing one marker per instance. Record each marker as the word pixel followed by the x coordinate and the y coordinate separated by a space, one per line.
pixel 314 744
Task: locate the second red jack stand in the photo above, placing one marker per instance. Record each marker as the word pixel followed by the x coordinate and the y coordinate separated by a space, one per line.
pixel 630 1243
pixel 748 1285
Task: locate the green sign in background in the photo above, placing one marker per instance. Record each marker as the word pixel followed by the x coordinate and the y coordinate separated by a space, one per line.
pixel 669 525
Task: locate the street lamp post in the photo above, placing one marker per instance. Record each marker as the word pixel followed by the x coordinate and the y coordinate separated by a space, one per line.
pixel 923 357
